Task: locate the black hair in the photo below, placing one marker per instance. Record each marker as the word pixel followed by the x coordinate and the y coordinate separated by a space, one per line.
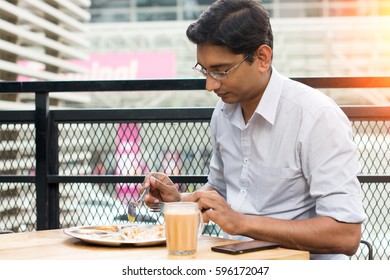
pixel 240 25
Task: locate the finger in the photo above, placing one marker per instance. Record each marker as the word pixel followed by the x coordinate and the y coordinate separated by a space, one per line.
pixel 190 197
pixel 209 212
pixel 156 189
pixel 207 203
pixel 150 199
pixel 150 196
pixel 208 215
pixel 146 182
pixel 157 184
pixel 210 198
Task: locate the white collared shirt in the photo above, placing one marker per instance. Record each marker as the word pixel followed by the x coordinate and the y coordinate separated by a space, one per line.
pixel 294 159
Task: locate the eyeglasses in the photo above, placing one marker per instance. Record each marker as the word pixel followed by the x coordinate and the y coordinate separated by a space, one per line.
pixel 217 75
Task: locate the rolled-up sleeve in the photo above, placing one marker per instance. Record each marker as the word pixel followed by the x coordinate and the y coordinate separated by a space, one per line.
pixel 330 165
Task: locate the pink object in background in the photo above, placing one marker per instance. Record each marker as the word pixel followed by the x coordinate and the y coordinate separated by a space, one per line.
pixel 126 65
pixel 117 66
pixel 128 159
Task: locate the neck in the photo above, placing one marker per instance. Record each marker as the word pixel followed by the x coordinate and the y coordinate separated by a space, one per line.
pixel 248 110
pixel 249 107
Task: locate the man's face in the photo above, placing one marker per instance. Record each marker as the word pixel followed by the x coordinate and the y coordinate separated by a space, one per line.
pixel 243 83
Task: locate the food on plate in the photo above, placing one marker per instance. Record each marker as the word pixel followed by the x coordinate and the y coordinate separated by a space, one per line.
pixel 111 228
pixel 144 233
pixel 91 232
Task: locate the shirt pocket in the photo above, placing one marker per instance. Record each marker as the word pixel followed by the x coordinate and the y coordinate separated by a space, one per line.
pixel 278 189
pixel 279 172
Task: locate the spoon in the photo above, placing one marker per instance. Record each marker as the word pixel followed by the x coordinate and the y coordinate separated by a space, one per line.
pixel 131 209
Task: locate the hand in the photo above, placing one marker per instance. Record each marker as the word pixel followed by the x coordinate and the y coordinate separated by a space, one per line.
pixel 162 189
pixel 215 208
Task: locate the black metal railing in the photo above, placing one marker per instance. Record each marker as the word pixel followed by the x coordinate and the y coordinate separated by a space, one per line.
pixel 60 168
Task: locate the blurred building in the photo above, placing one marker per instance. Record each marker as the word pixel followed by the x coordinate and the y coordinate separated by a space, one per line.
pixel 39 38
pixel 312 38
pixel 162 10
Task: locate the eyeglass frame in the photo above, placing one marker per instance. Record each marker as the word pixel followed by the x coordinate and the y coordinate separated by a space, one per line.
pixel 205 72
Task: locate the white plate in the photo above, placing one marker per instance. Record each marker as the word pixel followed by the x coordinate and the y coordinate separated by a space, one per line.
pixel 111 235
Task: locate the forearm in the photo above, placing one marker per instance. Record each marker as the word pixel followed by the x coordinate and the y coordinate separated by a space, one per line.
pixel 317 235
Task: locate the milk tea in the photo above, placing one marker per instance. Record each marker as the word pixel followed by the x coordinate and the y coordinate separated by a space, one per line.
pixel 182 229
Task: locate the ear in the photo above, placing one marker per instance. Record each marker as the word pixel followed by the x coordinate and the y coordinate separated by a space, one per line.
pixel 264 56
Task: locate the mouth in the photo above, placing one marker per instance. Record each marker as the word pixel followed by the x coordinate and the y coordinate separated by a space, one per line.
pixel 221 94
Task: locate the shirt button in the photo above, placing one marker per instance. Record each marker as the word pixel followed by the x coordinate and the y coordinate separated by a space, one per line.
pixel 243 192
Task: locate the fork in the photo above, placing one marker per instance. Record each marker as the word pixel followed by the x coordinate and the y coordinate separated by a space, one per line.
pixel 156 207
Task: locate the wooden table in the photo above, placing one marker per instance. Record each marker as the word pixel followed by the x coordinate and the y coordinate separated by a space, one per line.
pixel 55 244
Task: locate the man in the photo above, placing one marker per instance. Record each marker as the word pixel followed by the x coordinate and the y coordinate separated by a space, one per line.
pixel 283 167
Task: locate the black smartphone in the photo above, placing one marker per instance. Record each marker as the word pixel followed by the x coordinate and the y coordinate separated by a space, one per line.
pixel 244 247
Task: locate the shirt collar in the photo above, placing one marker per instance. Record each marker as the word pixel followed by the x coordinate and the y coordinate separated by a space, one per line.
pixel 268 105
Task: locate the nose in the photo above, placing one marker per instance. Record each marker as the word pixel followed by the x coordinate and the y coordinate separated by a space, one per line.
pixel 212 84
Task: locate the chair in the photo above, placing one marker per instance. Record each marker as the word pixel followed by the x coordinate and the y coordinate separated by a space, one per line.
pixel 367 244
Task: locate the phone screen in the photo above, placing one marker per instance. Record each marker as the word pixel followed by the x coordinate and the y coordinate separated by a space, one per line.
pixel 244 247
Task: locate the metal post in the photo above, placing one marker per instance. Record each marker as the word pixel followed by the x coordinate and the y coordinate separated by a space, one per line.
pixel 47 195
pixel 53 166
